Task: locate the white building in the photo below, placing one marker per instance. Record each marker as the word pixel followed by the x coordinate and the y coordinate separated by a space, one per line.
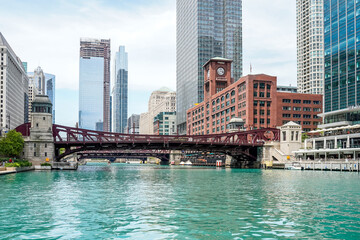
pixel 310 46
pixel 33 91
pixel 162 100
pixel 38 78
pixel 13 88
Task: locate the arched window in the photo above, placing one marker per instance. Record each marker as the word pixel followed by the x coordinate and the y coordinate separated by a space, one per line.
pixel 232 92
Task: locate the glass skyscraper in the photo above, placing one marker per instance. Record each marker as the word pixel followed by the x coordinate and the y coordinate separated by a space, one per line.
pixel 120 92
pixel 50 91
pixel 205 29
pixel 342 54
pixel 94 84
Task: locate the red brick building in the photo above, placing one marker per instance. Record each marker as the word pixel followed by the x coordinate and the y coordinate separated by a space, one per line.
pixel 254 98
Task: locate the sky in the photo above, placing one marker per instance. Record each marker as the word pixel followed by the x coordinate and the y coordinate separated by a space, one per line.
pixel 47 34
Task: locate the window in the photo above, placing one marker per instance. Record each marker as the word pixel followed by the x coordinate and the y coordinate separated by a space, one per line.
pixel 232 100
pixel 296 101
pixel 255 94
pixel 317 109
pixel 307 109
pixel 262 85
pixel 255 85
pixel 317 102
pixel 262 112
pixel 222 98
pixel 45 154
pixel 255 120
pixel 286 101
pixel 232 93
pixel 268 94
pixel 45 145
pixel 307 116
pixel 306 102
pixel 286 115
pixel 268 86
pixel 297 108
pixel 34 154
pixel 262 103
pixel 255 111
pixel 262 94
pixel 297 115
pixel 307 123
pixel 287 108
pixel 255 103
pixel 268 104
pixel 217 100
pixel 262 121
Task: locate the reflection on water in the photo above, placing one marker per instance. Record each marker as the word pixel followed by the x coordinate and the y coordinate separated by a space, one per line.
pixel 101 201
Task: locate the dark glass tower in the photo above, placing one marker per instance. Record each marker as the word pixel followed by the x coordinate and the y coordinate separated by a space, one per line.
pixel 120 91
pixel 342 54
pixel 205 29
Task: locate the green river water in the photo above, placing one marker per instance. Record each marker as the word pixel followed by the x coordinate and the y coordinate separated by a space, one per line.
pixel 128 201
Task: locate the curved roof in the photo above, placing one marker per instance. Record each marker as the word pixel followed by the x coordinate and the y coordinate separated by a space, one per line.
pixel 42 99
pixel 164 89
pixel 236 120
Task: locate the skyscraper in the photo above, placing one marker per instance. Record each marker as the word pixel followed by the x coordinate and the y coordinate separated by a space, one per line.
pixel 205 29
pixel 94 83
pixel 310 46
pixel 14 91
pixel 50 91
pixel 342 54
pixel 120 91
pixel 43 84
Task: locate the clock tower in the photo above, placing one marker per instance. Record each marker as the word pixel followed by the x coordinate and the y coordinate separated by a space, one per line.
pixel 217 76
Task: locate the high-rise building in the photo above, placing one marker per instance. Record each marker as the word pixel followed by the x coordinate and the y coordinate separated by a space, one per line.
pixel 33 91
pixel 94 83
pixel 120 91
pixel 14 91
pixel 38 78
pixel 41 83
pixel 162 100
pixel 50 91
pixel 310 46
pixel 205 29
pixel 339 136
pixel 133 124
pixel 165 123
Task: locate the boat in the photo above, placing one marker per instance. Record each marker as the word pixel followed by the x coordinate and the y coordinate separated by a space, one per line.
pixel 295 166
pixel 172 163
pixel 188 162
pixel 182 163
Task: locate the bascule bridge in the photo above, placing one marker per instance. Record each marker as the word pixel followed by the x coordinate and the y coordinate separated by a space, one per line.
pixel 43 141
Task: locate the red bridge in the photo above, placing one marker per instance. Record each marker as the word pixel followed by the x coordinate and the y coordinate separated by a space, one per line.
pixel 241 145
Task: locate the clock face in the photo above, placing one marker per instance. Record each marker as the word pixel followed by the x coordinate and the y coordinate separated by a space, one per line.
pixel 220 71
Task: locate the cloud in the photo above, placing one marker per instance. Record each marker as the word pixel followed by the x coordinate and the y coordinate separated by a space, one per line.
pixel 47 33
pixel 51 38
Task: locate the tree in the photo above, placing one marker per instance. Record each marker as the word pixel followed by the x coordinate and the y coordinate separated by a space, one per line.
pixel 12 144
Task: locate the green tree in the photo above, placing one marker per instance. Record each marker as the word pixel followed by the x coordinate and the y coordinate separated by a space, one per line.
pixel 12 144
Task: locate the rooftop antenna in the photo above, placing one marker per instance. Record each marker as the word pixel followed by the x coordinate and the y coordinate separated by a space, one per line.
pixel 250 68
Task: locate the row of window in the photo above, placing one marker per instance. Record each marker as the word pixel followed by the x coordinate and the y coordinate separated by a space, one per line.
pixel 286 115
pixel 306 109
pixel 299 101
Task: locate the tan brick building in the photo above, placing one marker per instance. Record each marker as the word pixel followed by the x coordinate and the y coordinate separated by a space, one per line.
pixel 254 98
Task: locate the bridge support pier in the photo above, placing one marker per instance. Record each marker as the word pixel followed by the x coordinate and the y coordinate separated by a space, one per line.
pixel 233 162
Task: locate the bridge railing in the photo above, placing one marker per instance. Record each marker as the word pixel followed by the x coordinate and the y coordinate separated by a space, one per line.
pixel 63 134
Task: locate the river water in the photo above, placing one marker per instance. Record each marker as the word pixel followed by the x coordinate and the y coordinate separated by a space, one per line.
pixel 119 201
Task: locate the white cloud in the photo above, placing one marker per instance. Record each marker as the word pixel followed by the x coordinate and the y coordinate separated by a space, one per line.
pixel 52 40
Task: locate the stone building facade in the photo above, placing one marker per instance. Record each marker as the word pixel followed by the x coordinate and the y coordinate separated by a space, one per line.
pixel 39 145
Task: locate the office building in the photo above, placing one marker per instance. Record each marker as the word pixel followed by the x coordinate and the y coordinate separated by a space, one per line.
pixel 120 91
pixel 253 98
pixel 133 124
pixel 50 91
pixel 162 100
pixel 14 91
pixel 310 46
pixel 33 91
pixel 165 123
pixel 205 29
pixel 94 83
pixel 38 78
pixel 44 84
